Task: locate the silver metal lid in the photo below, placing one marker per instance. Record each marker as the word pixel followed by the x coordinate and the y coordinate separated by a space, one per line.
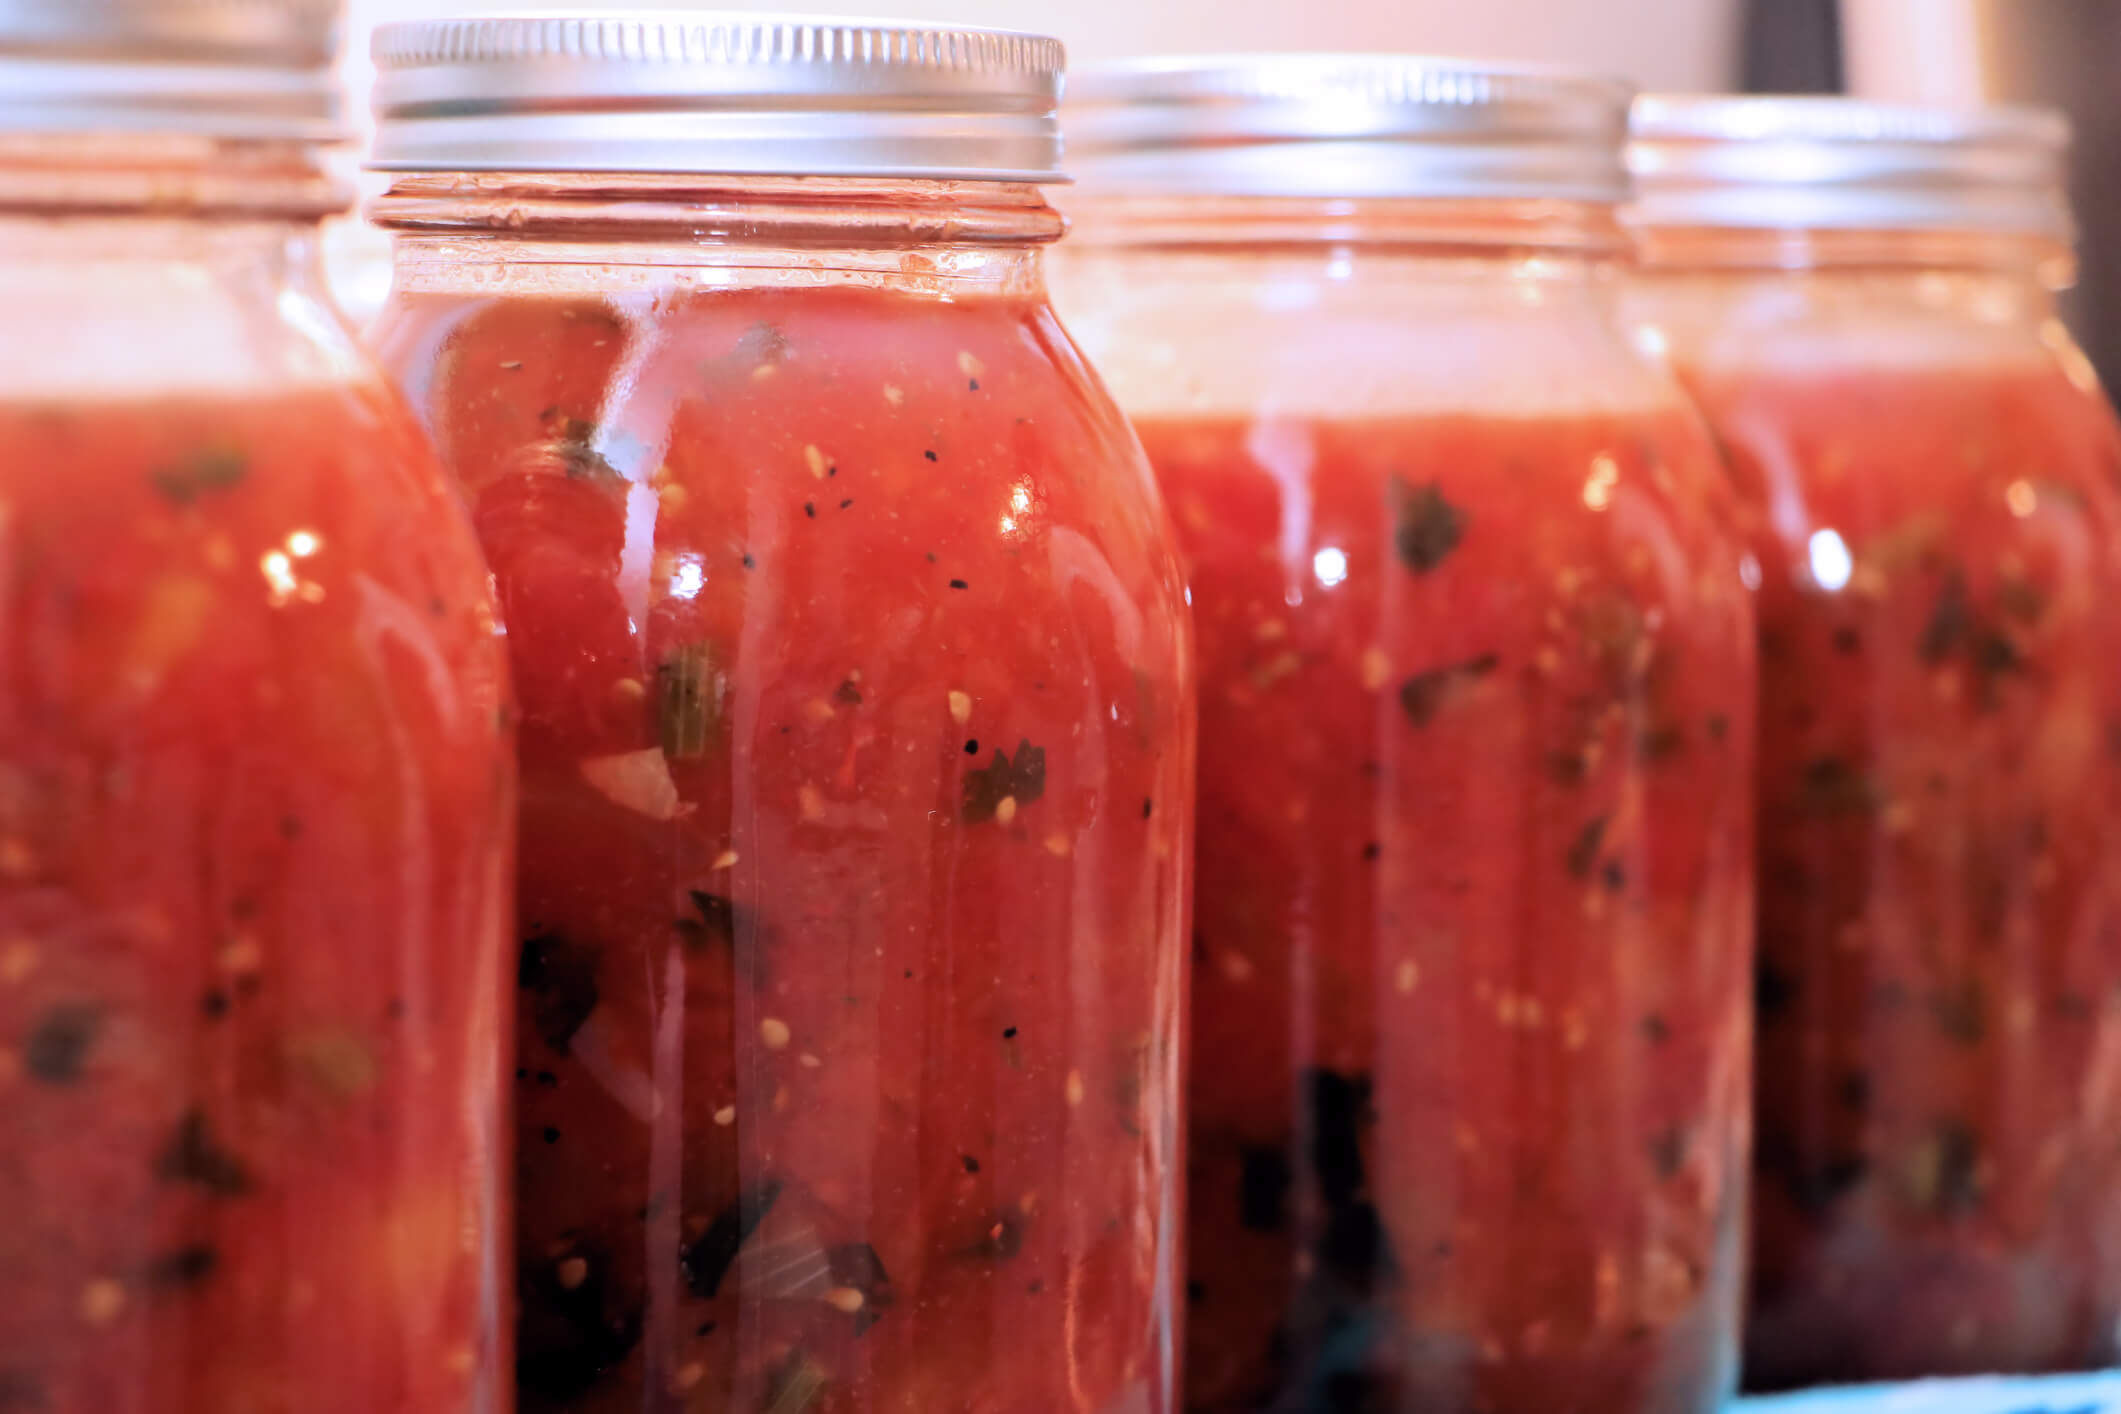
pixel 1826 163
pixel 1347 125
pixel 717 93
pixel 207 68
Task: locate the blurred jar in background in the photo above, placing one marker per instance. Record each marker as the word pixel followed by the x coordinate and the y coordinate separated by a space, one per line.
pixel 1473 954
pixel 1862 297
pixel 857 691
pixel 256 794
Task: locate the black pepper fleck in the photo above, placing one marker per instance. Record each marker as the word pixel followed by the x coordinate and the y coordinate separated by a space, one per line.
pixel 552 1135
pixel 972 747
pixel 1008 1033
pixel 810 509
pixel 971 1164
pixel 959 584
pixel 846 503
pixel 931 456
pixel 214 1005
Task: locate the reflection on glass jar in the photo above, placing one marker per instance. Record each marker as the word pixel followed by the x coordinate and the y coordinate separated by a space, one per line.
pixel 1468 1116
pixel 857 755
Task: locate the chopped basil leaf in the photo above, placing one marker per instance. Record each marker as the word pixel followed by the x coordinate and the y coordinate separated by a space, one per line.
pixel 1426 694
pixel 21 1392
pixel 1950 623
pixel 1961 1012
pixel 797 1385
pixel 214 469
pixel 193 1156
pixel 187 1266
pixel 1263 1188
pixel 761 343
pixel 716 923
pixel 1944 1170
pixel 2021 600
pixel 856 1266
pixel 1022 780
pixel 1583 850
pixel 705 1262
pixel 1831 786
pixel 338 1060
pixel 1818 1189
pixel 562 979
pixel 1667 1151
pixel 58 1046
pixel 1428 527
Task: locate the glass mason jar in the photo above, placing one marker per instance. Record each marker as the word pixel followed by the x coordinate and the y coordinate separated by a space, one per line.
pixel 1929 477
pixel 1468 1112
pixel 256 792
pixel 858 701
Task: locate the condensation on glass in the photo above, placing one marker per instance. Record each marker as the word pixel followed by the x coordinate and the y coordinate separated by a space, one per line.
pixel 255 786
pixel 1928 474
pixel 1473 942
pixel 857 716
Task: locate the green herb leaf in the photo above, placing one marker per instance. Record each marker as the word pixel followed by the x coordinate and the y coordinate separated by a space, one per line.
pixel 336 1058
pixel 1961 1012
pixel 1264 1180
pixel 1667 1151
pixel 688 701
pixel 856 1265
pixel 572 440
pixel 209 470
pixel 1022 779
pixel 2022 600
pixel 1816 1189
pixel 705 1262
pixel 561 977
pixel 761 343
pixel 1831 786
pixel 1951 621
pixel 716 923
pixel 187 1266
pixel 193 1156
pixel 797 1385
pixel 1426 694
pixel 1428 527
pixel 59 1044
pixel 1944 1170
pixel 1583 850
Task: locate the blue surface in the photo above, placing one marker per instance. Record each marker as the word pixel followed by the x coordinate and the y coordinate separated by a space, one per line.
pixel 2061 1394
